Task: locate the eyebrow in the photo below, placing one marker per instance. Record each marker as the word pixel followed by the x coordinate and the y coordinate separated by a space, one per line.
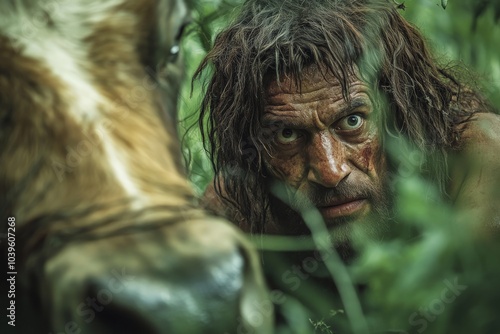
pixel 354 104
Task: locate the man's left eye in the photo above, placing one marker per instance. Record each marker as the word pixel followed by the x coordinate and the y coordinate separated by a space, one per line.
pixel 349 123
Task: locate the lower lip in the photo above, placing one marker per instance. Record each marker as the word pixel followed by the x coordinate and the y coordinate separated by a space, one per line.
pixel 345 209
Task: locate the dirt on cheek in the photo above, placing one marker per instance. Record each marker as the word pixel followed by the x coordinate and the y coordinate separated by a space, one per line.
pixel 371 157
pixel 288 170
pixel 367 155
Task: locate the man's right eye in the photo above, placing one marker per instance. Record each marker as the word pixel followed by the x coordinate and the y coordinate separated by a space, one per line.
pixel 287 135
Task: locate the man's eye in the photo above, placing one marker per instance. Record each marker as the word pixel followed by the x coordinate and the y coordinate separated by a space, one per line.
pixel 349 123
pixel 286 136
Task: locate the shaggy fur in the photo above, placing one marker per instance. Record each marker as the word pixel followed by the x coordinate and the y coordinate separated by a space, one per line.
pixel 91 170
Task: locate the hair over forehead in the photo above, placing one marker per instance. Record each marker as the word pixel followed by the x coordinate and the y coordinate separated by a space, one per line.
pixel 274 38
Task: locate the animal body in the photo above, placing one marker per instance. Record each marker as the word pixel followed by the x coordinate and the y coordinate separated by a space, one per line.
pixel 108 237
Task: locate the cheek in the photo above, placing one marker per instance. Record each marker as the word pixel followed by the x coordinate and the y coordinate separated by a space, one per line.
pixel 367 157
pixel 290 170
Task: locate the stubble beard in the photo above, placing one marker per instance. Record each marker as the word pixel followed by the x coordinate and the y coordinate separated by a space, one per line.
pixel 345 231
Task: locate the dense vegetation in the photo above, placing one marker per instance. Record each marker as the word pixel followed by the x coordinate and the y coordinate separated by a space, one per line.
pixel 433 275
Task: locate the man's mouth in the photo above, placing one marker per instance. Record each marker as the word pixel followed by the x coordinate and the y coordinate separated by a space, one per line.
pixel 343 207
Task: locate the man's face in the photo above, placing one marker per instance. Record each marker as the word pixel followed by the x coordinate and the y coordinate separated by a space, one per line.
pixel 327 150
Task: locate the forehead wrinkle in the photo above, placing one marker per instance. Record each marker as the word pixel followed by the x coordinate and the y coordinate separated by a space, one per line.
pixel 288 104
pixel 273 115
pixel 317 92
pixel 317 120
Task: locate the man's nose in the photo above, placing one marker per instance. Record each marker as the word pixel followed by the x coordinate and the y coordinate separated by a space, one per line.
pixel 327 161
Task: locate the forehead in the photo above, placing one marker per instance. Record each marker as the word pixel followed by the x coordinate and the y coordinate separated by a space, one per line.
pixel 318 93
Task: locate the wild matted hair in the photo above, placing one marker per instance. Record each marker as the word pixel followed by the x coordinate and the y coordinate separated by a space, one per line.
pixel 272 38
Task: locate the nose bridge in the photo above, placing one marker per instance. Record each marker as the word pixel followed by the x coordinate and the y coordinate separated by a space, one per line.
pixel 327 160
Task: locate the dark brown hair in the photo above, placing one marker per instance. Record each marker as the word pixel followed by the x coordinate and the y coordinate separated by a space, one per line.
pixel 271 38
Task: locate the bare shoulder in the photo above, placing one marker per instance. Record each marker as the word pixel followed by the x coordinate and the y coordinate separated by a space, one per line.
pixel 480 147
pixel 482 131
pixel 475 171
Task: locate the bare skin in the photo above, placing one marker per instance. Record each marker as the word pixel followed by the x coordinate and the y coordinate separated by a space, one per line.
pixel 475 174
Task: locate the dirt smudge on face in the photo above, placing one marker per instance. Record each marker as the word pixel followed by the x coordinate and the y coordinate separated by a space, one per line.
pixel 367 155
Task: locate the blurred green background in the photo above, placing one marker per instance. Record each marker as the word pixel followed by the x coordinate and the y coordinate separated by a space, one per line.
pixel 432 277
